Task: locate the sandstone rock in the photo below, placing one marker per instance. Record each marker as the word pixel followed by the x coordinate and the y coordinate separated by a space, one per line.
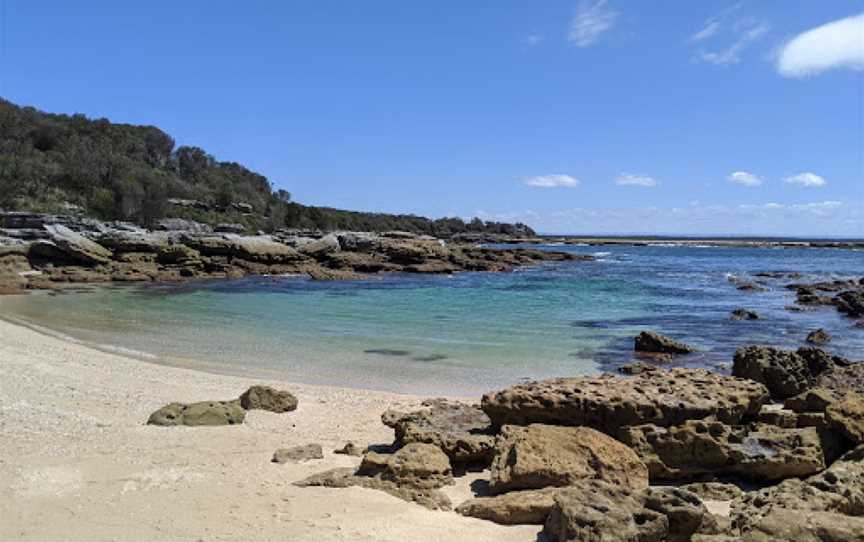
pixel 350 449
pixel 780 417
pixel 121 242
pixel 649 341
pixel 202 413
pixel 461 431
pixel 264 249
pixel 178 255
pixel 514 508
pixel 839 490
pixel 432 499
pixel 267 398
pixel 785 373
pixel 812 400
pixel 298 453
pixel 698 447
pixel 599 512
pixel 75 247
pixel 818 336
pixel 606 402
pixel 794 526
pixel 744 314
pixel 14 268
pixel 539 456
pixel 417 465
pixel 321 248
pixel 843 379
pixel 715 491
pixel 182 225
pixel 360 262
pixel 847 416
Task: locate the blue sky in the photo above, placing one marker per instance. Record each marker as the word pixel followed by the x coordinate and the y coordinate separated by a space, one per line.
pixel 587 117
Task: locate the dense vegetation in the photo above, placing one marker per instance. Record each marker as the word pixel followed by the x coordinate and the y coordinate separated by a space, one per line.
pixel 62 163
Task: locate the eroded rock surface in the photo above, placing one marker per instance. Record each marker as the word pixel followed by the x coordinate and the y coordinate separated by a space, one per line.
pixel 201 413
pixel 785 373
pixel 530 506
pixel 650 341
pixel 267 398
pixel 607 402
pixel 847 416
pixel 296 454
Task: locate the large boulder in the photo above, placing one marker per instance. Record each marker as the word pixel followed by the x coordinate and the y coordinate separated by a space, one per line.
pixel 843 379
pixel 539 456
pixel 74 247
pixel 265 250
pixel 652 342
pixel 606 402
pixel 851 303
pixel 793 526
pixel 321 248
pixel 417 465
pixel 839 490
pixel 700 447
pixel 267 398
pixel 462 431
pixel 847 417
pixel 599 512
pixel 202 413
pixel 785 373
pixel 531 506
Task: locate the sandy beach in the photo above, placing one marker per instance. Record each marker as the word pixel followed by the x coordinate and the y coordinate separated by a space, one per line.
pixel 77 461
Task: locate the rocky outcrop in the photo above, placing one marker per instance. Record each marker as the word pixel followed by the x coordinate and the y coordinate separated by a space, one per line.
pixel 606 403
pixel 267 398
pixel 744 314
pixel 462 431
pixel 851 303
pixel 413 473
pixel 847 416
pixel 14 269
pixel 785 373
pixel 539 456
pixel 596 511
pixel 650 341
pixel 696 448
pixel 714 491
pixel 526 507
pixel 296 454
pixel 818 336
pixel 202 413
pixel 838 491
pixel 67 246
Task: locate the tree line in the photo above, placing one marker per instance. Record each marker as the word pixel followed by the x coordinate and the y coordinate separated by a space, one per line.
pixel 64 163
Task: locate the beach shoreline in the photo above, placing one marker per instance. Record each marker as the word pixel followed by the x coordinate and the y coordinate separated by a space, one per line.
pixel 78 461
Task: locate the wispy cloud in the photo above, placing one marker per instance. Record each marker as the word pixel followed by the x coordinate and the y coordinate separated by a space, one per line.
pixel 592 19
pixel 746 32
pixel 532 40
pixel 555 180
pixel 744 178
pixel 839 44
pixel 635 179
pixel 806 179
pixel 714 24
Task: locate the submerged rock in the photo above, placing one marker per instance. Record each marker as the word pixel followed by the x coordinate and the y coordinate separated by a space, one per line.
pixel 267 398
pixel 298 453
pixel 201 413
pixel 539 456
pixel 462 431
pixel 818 336
pixel 744 314
pixel 607 402
pixel 650 341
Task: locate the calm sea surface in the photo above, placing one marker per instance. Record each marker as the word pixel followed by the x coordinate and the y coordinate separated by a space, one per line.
pixel 462 334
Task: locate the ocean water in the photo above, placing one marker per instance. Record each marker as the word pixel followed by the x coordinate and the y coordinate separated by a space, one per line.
pixel 463 334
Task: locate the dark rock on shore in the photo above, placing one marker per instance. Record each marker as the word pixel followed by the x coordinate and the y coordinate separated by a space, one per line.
pixel 527 507
pixel 267 398
pixel 785 373
pixel 462 431
pixel 847 417
pixel 818 336
pixel 606 402
pixel 650 341
pixel 202 413
pixel 539 456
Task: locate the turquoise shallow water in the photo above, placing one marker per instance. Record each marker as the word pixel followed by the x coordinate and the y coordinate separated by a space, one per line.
pixel 463 334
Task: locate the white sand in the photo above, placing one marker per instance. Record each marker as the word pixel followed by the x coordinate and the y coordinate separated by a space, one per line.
pixel 78 463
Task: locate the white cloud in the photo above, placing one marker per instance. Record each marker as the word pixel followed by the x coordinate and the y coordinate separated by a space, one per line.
pixel 592 19
pixel 713 25
pixel 746 32
pixel 532 39
pixel 744 178
pixel 806 179
pixel 839 44
pixel 552 181
pixel 634 179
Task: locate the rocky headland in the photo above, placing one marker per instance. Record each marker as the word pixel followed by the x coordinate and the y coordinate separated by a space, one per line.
pixel 43 251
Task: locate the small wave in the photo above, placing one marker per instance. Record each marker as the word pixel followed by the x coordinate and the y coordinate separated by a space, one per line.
pixel 601 254
pixel 122 350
